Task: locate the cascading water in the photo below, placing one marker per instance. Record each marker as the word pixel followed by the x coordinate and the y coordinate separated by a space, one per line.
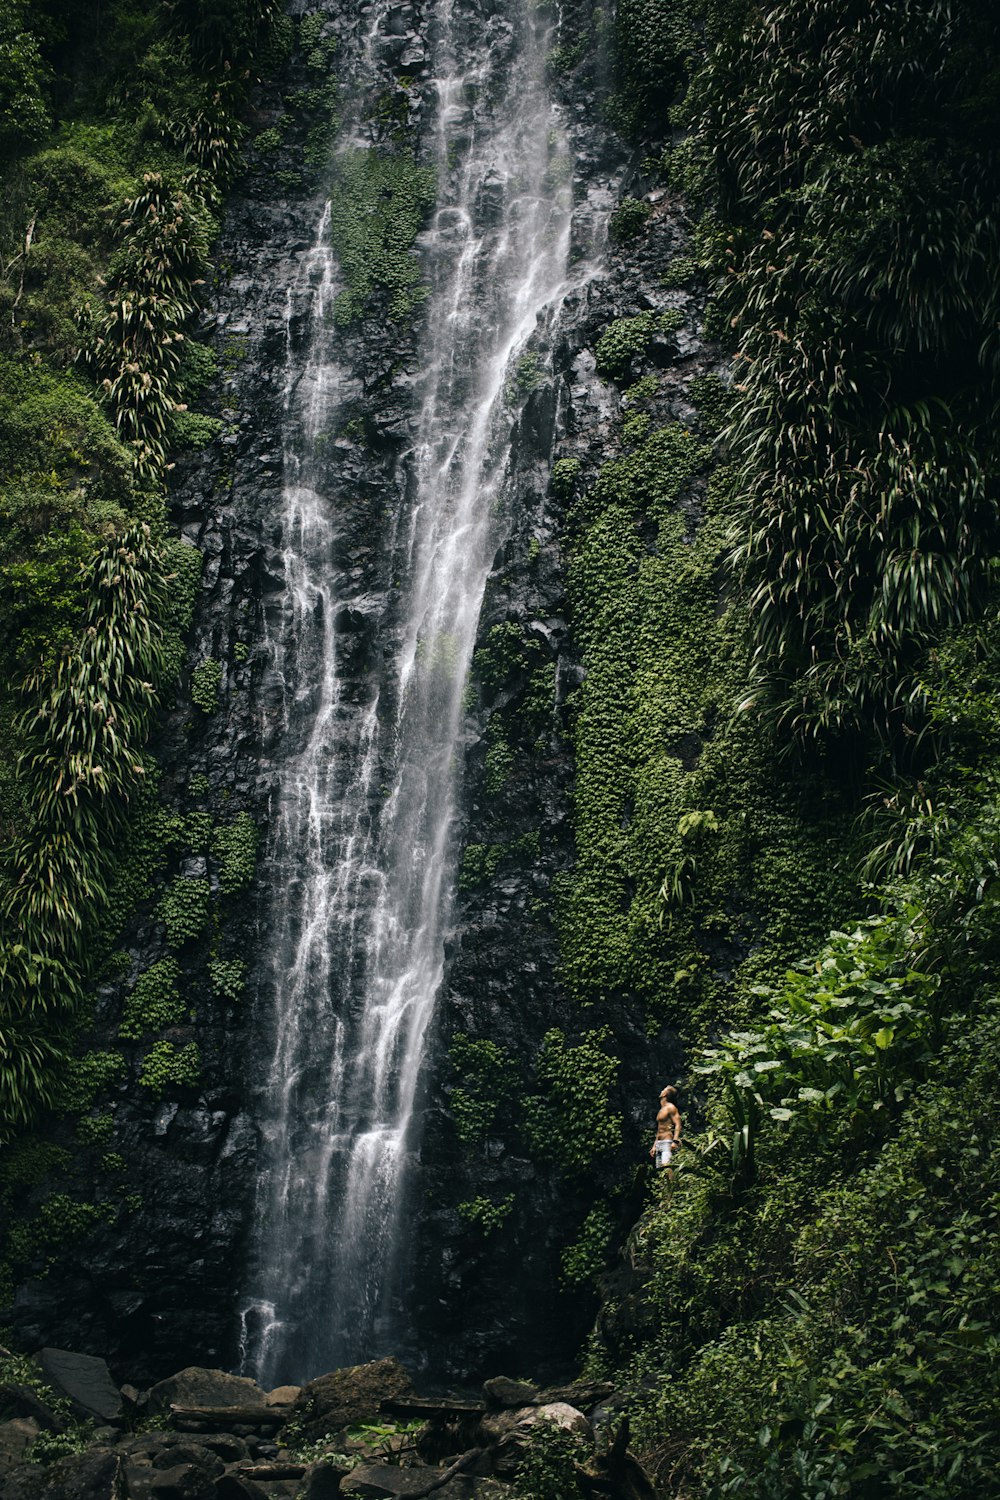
pixel 362 862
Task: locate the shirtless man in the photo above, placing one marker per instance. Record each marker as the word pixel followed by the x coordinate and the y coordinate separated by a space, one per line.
pixel 668 1129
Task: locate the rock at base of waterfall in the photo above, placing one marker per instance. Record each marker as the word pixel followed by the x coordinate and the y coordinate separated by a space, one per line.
pixel 283 1395
pixel 196 1386
pixel 386 1482
pixel 502 1391
pixel 15 1437
pixel 512 1432
pixel 81 1476
pixel 347 1397
pixel 85 1379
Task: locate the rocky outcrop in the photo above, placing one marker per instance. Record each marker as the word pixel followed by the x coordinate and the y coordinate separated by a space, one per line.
pixel 457 1449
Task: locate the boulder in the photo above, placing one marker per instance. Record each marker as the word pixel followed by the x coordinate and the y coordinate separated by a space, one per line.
pixel 282 1395
pixel 583 1394
pixel 349 1396
pixel 501 1391
pixel 386 1482
pixel 237 1487
pixel 22 1401
pixel 182 1482
pixel 196 1386
pixel 82 1476
pixel 322 1482
pixel 513 1431
pixel 16 1436
pixel 85 1379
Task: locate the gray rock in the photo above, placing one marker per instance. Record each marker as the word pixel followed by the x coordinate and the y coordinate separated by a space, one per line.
pixel 349 1396
pixel 509 1452
pixel 22 1401
pixel 502 1391
pixel 85 1379
pixel 322 1482
pixel 16 1436
pixel 385 1482
pixel 82 1476
pixel 236 1487
pixel 196 1386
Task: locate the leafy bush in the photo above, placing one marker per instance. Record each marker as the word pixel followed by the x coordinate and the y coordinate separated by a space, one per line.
pixel 488 1083
pixel 377 207
pixel 571 1121
pixel 629 220
pixel 184 909
pixel 227 977
pixel 164 1066
pixel 154 1001
pixel 206 680
pixel 486 1214
pixel 235 849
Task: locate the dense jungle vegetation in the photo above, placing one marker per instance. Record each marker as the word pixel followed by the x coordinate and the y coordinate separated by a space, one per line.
pixel 821 1278
pixel 118 134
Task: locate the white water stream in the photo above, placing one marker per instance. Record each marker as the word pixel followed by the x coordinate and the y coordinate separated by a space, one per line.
pixel 362 866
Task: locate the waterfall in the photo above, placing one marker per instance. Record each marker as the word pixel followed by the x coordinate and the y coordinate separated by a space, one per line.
pixel 361 868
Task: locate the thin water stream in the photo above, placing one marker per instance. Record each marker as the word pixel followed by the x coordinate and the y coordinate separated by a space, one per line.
pixel 362 862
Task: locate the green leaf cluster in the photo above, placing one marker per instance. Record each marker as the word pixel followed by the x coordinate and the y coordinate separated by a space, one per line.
pixel 571 1120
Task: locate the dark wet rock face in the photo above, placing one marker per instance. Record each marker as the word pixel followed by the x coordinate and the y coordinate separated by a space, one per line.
pixel 159 1286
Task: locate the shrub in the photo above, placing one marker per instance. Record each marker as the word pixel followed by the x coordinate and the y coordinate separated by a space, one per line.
pixel 165 1067
pixel 206 679
pixel 184 909
pixel 154 1001
pixel 629 220
pixel 571 1120
pixel 235 849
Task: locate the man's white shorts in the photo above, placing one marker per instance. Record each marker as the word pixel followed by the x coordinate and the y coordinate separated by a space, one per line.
pixel 664 1151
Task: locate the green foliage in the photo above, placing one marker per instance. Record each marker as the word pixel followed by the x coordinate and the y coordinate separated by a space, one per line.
pixel 587 1256
pixel 865 1346
pixel 499 757
pixel 377 206
pixel 227 977
pixel 60 1222
pixel 548 1469
pixel 851 1036
pixel 165 1066
pixel 49 1447
pixel 501 654
pixel 571 1121
pixel 486 1214
pixel 85 1077
pixel 24 115
pixel 655 44
pixel 184 909
pixel 622 341
pixel 154 1001
pixel 191 429
pixel 481 862
pixel 235 848
pixel 95 1130
pixel 629 220
pixel 206 679
pixel 26 1164
pixel 488 1082
pixel 565 473
pixel 863 419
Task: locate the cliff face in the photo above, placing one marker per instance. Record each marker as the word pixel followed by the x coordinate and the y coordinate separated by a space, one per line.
pixel 493 1205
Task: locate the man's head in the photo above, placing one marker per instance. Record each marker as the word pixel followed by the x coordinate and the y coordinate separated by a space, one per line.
pixel 668 1095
